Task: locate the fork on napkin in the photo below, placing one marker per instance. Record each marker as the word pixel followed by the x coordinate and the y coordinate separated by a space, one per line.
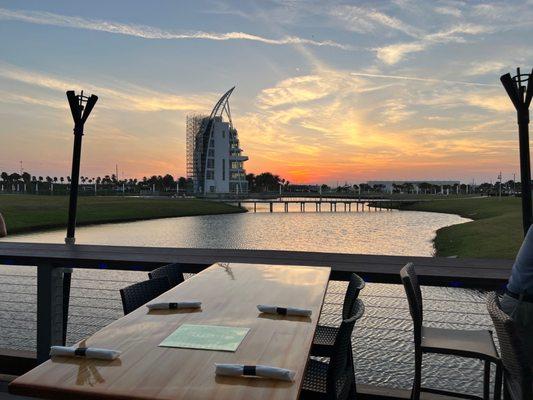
pixel 87 352
pixel 262 371
pixel 269 309
pixel 174 306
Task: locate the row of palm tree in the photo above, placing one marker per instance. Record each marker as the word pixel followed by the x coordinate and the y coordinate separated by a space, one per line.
pixel 155 181
pixel 263 182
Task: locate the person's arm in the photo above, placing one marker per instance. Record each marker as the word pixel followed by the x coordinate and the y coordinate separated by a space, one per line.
pixel 521 280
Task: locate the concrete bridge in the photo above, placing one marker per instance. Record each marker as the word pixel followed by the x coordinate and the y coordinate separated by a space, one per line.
pixel 346 205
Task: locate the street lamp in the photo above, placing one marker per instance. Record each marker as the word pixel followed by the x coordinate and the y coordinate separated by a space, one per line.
pixel 80 107
pixel 520 91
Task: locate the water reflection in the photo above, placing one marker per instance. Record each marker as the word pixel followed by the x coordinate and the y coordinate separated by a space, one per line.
pixel 394 233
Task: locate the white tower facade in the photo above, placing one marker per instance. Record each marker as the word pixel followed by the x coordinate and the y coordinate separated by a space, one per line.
pixel 214 158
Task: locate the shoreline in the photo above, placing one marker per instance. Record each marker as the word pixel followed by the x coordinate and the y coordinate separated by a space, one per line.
pixel 494 232
pixel 38 213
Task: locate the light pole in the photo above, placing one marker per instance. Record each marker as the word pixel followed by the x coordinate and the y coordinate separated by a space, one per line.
pixel 520 91
pixel 500 185
pixel 80 113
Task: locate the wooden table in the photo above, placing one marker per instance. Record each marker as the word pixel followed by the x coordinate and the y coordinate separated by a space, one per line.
pixel 229 297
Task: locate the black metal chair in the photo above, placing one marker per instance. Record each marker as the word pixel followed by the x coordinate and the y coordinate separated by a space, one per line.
pixel 334 380
pixel 518 374
pixel 174 273
pixel 325 335
pixel 138 294
pixel 477 344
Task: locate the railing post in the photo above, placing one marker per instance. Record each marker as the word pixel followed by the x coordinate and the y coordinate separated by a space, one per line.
pixel 67 278
pixel 49 309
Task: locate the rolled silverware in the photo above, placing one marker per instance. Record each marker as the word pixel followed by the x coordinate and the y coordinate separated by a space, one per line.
pixel 262 371
pixel 269 309
pixel 174 306
pixel 87 352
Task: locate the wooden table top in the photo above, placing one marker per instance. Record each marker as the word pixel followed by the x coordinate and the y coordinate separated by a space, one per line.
pixel 229 298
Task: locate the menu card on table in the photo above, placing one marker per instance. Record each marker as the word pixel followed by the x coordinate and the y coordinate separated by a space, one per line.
pixel 206 337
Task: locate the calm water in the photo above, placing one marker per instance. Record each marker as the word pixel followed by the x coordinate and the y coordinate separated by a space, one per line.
pixel 382 340
pixel 385 232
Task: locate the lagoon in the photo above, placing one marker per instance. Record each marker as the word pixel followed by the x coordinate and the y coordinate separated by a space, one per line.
pixel 381 232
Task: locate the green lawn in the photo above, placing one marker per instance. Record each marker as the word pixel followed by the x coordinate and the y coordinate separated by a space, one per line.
pixel 25 213
pixel 496 231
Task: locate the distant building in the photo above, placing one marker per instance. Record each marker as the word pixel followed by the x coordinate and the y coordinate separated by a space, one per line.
pixel 388 186
pixel 214 159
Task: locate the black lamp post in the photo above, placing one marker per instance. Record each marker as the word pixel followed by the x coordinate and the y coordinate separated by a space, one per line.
pixel 520 91
pixel 80 107
pixel 80 113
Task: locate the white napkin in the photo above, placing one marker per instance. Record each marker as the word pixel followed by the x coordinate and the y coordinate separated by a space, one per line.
pixel 174 306
pixel 284 310
pixel 87 352
pixel 263 371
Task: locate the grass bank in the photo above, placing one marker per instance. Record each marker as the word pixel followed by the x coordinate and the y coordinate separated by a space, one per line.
pixel 24 213
pixel 496 231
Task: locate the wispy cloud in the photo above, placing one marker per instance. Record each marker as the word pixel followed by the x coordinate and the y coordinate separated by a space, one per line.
pixel 150 32
pixel 365 20
pixel 394 53
pixel 299 89
pixel 453 11
pixel 429 80
pixel 8 97
pixel 483 68
pixel 123 96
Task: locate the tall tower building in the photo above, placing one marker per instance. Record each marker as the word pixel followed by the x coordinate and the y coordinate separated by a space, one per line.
pixel 214 158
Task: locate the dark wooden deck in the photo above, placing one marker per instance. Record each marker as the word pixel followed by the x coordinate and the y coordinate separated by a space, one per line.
pixel 459 272
pixel 467 273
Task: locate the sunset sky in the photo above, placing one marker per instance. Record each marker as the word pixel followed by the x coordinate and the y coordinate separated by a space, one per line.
pixel 325 91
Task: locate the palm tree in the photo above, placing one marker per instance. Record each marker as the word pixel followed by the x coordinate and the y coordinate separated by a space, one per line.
pixel 167 181
pixel 26 177
pixel 14 177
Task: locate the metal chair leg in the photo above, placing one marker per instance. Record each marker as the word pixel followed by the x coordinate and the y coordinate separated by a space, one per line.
pixel 415 392
pixel 486 381
pixel 506 394
pixel 498 382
